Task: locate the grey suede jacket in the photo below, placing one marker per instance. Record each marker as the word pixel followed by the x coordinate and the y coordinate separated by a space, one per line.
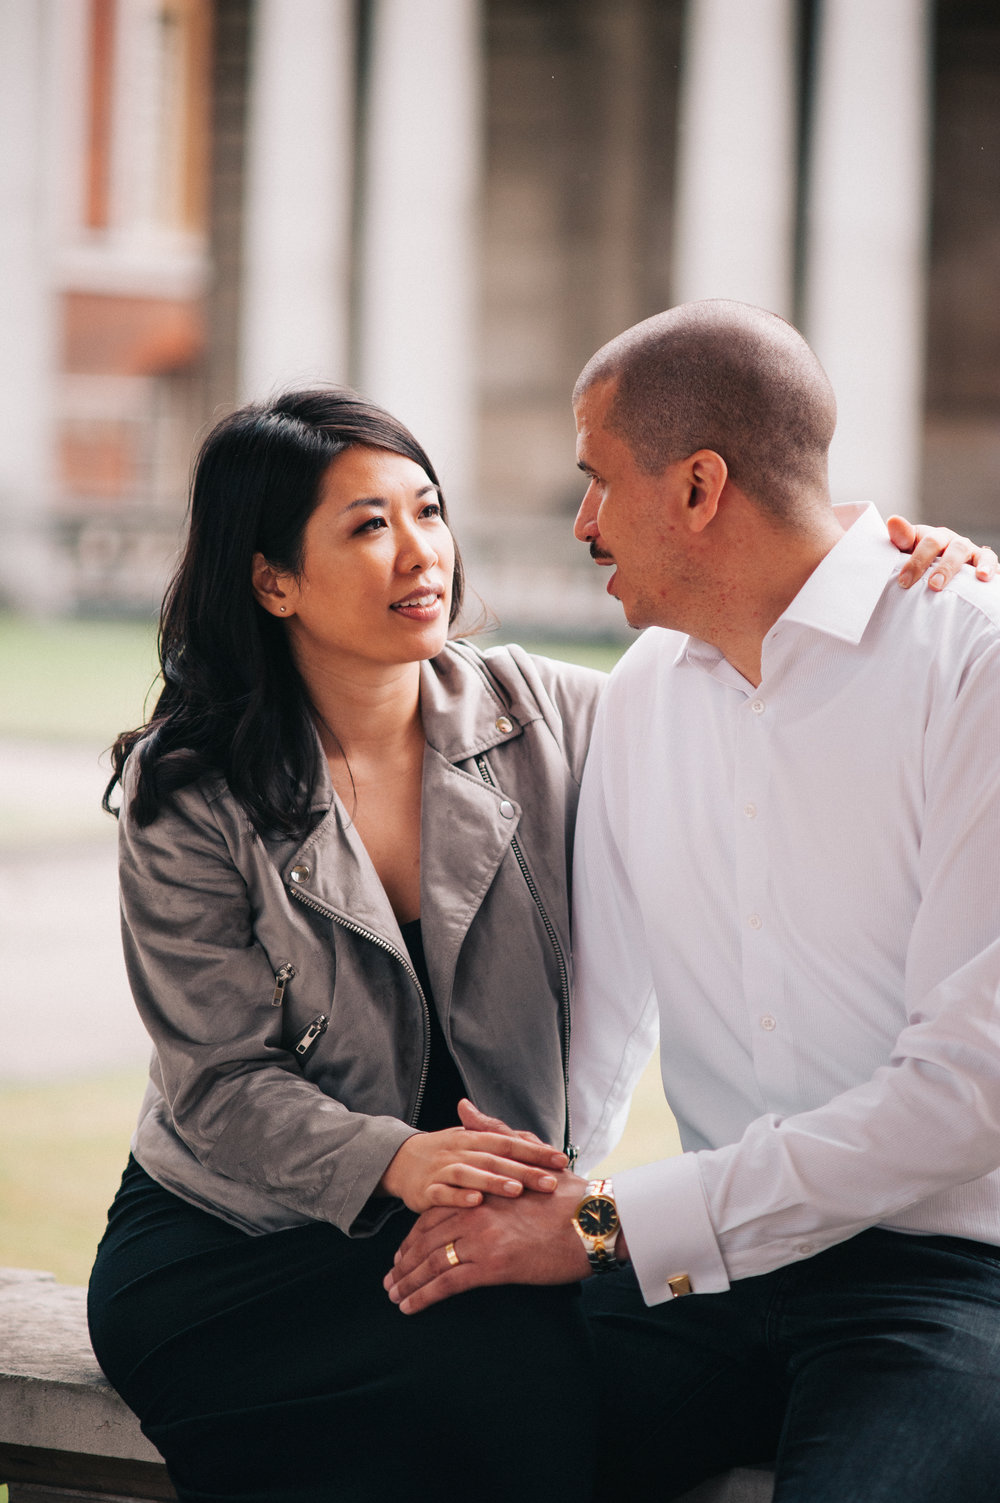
pixel 290 1031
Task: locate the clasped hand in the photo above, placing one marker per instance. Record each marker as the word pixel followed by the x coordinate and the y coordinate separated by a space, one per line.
pixel 510 1238
pixel 460 1165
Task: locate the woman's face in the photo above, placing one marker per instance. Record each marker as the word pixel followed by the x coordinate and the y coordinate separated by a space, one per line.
pixel 377 565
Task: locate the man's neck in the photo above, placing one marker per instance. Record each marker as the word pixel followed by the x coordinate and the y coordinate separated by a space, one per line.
pixel 768 567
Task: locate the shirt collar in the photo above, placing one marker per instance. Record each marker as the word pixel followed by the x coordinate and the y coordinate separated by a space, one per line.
pixel 840 595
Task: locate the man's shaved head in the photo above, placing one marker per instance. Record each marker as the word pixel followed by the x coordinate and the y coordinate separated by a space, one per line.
pixel 728 377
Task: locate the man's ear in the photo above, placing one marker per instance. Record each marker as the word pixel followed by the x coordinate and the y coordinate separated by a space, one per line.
pixel 705 476
pixel 271 587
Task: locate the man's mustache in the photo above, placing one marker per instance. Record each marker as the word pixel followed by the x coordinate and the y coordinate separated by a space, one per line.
pixel 598 554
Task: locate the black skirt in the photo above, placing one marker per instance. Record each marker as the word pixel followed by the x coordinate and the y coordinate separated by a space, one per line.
pixel 275 1367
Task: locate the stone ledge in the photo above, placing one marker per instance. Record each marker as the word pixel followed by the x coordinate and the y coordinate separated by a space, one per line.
pixel 65 1434
pixel 53 1395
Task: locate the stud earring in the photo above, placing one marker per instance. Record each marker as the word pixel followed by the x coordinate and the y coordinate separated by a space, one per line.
pixel 281 609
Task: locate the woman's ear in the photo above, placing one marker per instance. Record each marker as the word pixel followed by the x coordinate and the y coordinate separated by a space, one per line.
pixel 271 587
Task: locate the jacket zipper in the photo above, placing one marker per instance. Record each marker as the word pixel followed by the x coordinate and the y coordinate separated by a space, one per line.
pixel 310 1034
pixel 282 976
pixel 382 944
pixel 572 1151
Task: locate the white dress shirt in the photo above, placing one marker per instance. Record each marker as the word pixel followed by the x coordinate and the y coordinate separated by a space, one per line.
pixel 800 883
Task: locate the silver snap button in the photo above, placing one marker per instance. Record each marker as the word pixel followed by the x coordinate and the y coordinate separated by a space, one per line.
pixel 299 873
pixel 507 809
pixel 504 724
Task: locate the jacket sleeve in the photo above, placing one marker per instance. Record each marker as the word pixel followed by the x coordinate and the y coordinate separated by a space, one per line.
pixel 203 986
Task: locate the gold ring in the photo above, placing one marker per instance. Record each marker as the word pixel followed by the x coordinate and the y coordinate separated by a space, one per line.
pixel 452 1255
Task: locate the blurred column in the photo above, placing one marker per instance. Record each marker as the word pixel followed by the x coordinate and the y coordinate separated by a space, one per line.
pixel 736 169
pixel 418 307
pixel 867 229
pixel 297 213
pixel 27 308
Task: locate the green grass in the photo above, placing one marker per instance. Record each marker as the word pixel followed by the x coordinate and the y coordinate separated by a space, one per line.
pixel 603 655
pixel 74 680
pixel 63 1147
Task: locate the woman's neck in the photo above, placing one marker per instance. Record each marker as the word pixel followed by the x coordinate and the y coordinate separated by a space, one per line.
pixel 373 737
pixel 367 716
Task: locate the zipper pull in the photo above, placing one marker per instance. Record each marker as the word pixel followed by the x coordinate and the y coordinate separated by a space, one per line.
pixel 282 976
pixel 572 1151
pixel 308 1037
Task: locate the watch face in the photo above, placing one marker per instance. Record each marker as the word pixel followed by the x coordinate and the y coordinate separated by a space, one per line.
pixel 597 1216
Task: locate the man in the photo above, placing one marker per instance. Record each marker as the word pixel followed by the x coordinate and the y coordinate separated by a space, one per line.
pixel 788 855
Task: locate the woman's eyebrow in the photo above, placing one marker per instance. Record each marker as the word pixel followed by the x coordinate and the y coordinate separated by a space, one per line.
pixel 425 490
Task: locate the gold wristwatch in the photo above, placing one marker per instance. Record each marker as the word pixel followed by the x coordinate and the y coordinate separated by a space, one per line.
pixel 597 1224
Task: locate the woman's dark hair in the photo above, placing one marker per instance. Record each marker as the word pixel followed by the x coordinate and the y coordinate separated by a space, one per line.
pixel 232 701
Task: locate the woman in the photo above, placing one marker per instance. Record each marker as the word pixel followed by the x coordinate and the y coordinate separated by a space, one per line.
pixel 327 789
pixel 344 847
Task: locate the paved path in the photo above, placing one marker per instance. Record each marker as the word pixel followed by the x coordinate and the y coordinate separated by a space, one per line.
pixel 65 1007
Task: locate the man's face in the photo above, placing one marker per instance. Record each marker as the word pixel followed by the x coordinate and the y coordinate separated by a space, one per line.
pixel 626 518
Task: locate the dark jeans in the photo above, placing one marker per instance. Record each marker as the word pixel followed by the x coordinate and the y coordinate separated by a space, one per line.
pixel 867 1374
pixel 275 1369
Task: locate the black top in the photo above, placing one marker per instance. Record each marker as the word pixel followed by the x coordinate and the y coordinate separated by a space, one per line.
pixel 444 1084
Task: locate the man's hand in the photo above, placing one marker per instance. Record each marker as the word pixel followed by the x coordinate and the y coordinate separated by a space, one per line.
pixel 939 546
pixel 530 1240
pixel 536 1245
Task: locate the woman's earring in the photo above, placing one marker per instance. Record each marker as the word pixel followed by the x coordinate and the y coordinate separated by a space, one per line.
pixel 281 608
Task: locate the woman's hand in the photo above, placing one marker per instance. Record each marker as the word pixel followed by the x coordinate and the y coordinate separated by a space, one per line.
pixel 940 546
pixel 458 1166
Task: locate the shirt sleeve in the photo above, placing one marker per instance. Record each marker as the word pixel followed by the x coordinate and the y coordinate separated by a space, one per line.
pixel 896 1149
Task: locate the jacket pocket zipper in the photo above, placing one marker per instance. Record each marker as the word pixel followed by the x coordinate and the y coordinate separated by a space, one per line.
pixel 310 1034
pixel 282 976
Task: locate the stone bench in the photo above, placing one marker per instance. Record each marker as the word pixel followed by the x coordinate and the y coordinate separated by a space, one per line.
pixel 66 1436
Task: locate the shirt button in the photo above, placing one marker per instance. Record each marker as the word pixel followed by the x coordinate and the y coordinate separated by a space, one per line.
pixel 750 810
pixel 755 921
pixel 507 809
pixel 757 705
pixel 504 724
pixel 299 873
pixel 768 1023
pixel 805 1248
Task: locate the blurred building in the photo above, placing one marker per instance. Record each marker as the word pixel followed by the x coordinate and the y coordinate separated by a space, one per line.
pixel 451 204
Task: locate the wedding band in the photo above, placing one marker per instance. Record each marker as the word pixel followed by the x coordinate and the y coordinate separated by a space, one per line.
pixel 451 1255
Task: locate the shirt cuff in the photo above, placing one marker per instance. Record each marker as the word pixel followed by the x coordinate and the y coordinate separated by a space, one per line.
pixel 664 1216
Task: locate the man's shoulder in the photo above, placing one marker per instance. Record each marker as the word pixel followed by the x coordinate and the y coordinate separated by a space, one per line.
pixel 981 597
pixel 657 648
pixel 963 617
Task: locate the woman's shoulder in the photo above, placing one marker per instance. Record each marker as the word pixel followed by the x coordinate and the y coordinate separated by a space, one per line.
pixel 562 695
pixel 203 798
pixel 572 686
